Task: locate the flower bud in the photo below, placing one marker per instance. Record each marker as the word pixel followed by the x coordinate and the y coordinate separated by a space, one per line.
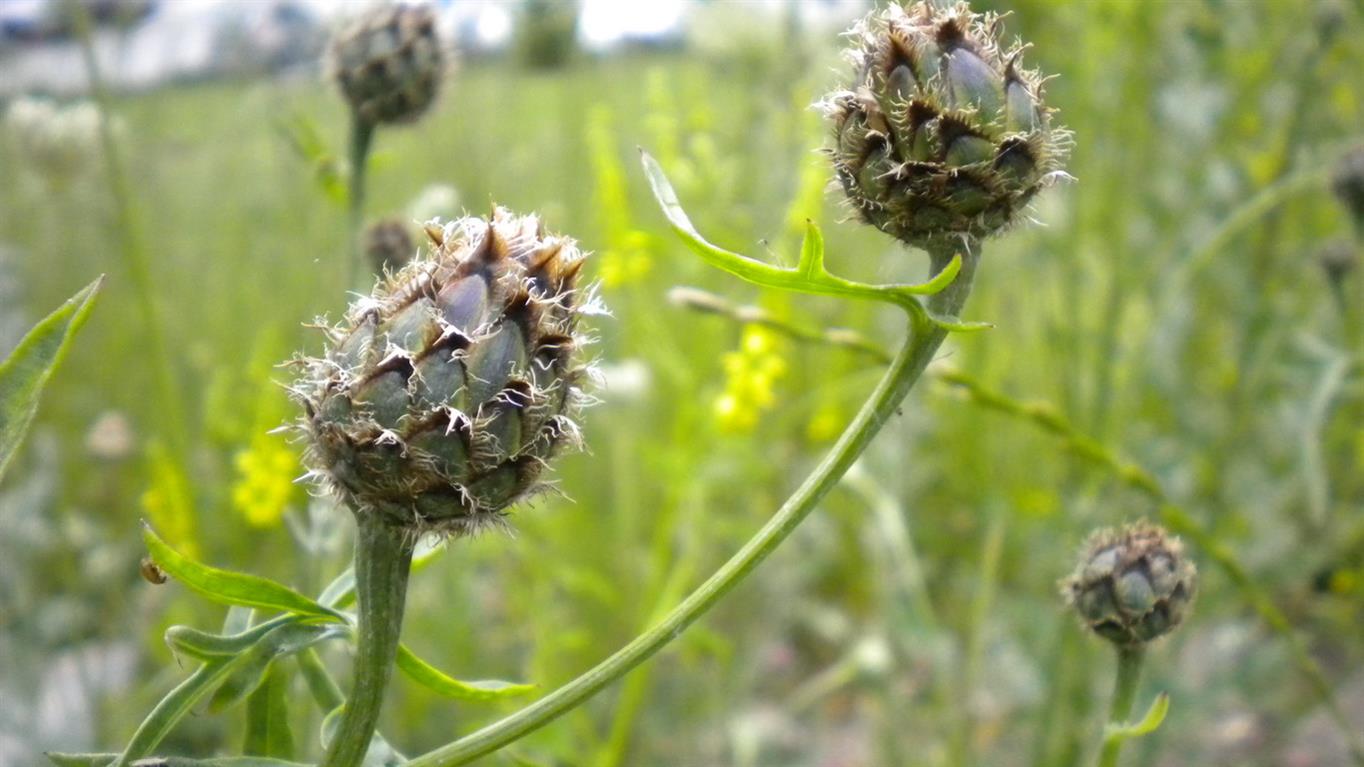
pixel 1132 584
pixel 387 245
pixel 941 134
pixel 388 63
pixel 1348 184
pixel 443 396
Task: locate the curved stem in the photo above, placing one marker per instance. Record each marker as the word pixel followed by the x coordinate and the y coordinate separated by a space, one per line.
pixel 383 561
pixel 361 137
pixel 924 339
pixel 1124 693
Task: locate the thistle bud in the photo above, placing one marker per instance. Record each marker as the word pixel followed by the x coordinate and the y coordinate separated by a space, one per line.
pixel 942 133
pixel 1348 183
pixel 387 245
pixel 443 396
pixel 388 63
pixel 1132 585
pixel 1338 259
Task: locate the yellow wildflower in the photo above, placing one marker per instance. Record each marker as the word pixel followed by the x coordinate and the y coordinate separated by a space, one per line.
pixel 265 481
pixel 751 375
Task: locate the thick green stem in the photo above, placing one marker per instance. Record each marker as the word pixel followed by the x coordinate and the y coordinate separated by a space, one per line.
pixel 1124 693
pixel 909 363
pixel 383 561
pixel 361 138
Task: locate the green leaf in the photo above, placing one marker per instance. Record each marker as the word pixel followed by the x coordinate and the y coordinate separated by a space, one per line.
pixel 1149 723
pixel 433 679
pixel 380 753
pixel 267 717
pixel 104 760
pixel 287 637
pixel 80 760
pixel 232 588
pixel 811 251
pixel 25 372
pixel 254 670
pixel 340 593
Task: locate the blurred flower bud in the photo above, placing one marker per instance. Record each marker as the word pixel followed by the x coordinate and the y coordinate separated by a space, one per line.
pixel 1132 584
pixel 388 63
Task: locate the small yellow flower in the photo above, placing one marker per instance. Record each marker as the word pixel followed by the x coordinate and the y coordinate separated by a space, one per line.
pixel 265 481
pixel 751 376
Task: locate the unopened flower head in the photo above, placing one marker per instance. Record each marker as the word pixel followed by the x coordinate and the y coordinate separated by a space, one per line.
pixel 1132 584
pixel 388 245
pixel 443 397
pixel 1348 183
pixel 942 133
pixel 388 62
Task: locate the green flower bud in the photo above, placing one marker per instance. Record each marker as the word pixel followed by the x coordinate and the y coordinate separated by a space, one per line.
pixel 1131 585
pixel 443 397
pixel 388 63
pixel 941 134
pixel 387 245
pixel 1348 183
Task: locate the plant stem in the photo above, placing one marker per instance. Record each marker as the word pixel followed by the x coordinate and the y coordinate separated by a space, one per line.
pixel 130 240
pixel 383 561
pixel 909 363
pixel 1124 693
pixel 361 138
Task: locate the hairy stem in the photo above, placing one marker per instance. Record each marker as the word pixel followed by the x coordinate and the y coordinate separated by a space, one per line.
pixel 1124 693
pixel 361 138
pixel 909 363
pixel 383 561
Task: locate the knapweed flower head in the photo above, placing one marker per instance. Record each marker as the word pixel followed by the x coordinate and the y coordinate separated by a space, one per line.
pixel 1132 584
pixel 443 397
pixel 388 62
pixel 942 132
pixel 387 245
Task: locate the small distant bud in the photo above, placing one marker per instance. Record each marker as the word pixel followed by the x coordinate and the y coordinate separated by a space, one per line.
pixel 698 300
pixel 388 63
pixel 1348 183
pixel 1132 584
pixel 387 245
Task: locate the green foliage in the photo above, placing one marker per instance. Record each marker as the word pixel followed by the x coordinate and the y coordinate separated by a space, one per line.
pixel 25 372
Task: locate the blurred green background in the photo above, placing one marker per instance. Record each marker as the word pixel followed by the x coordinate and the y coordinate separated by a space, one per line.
pixel 1170 303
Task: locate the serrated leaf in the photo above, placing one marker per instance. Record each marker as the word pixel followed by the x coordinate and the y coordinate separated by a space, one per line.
pixel 1149 723
pixel 267 717
pixel 232 588
pixel 27 369
pixel 434 679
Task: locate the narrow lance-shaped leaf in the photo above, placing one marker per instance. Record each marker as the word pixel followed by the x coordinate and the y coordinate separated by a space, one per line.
pixel 229 587
pixel 267 716
pixel 433 679
pixel 104 760
pixel 288 638
pixel 1155 715
pixel 25 372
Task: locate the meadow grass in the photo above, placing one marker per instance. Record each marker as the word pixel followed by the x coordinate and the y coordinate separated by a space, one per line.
pixel 913 619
